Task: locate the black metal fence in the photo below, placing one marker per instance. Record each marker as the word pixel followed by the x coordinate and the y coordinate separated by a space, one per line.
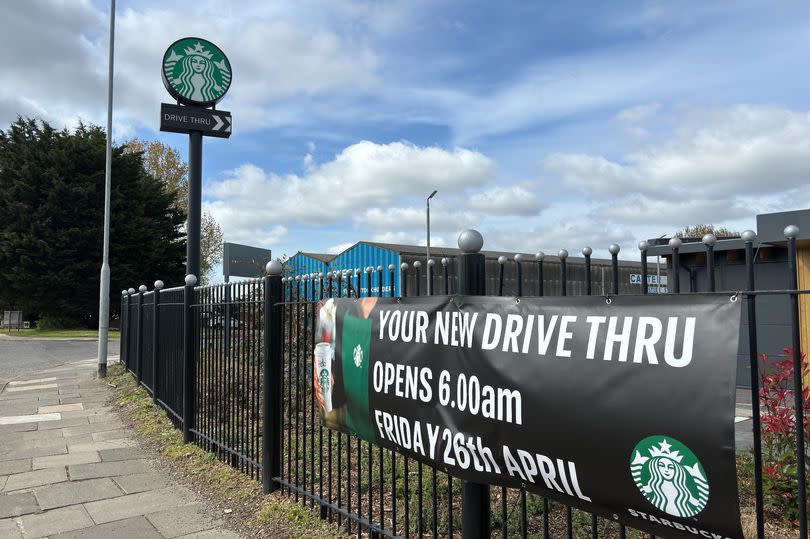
pixel 231 364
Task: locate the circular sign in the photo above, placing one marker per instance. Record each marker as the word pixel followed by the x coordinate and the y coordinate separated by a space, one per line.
pixel 196 72
pixel 669 476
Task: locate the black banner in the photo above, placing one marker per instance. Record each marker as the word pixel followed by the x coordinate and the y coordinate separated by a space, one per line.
pixel 623 407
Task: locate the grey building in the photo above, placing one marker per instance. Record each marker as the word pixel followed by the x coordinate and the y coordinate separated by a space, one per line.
pixel 770 273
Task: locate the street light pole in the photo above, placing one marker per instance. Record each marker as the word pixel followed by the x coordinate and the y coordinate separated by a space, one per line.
pixel 104 293
pixel 433 194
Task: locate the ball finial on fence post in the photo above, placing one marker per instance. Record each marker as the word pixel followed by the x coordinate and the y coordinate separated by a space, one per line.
pixel 158 285
pixel 643 246
pixel 562 254
pixel 470 241
pixel 709 240
pixel 191 279
pixel 748 236
pixel 131 291
pixel 675 243
pixel 587 251
pixel 142 288
pixel 791 231
pixel 614 249
pixel 273 267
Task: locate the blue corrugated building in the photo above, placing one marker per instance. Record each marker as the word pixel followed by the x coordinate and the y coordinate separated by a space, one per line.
pixel 365 254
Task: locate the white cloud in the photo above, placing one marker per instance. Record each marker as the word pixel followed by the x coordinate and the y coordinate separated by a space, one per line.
pixel 415 218
pixel 506 200
pixel 708 171
pixel 638 113
pixel 358 184
pixel 59 60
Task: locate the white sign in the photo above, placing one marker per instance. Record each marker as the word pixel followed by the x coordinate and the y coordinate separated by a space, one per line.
pixel 635 278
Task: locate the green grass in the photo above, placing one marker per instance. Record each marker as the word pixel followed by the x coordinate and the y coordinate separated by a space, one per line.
pixel 57 333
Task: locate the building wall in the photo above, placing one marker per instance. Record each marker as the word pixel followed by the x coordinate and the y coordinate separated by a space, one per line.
pixel 362 256
pixel 773 311
pixel 803 274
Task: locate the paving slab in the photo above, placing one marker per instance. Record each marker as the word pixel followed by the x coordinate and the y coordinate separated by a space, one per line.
pixel 140 482
pixel 142 503
pixel 14 505
pixel 22 427
pixel 127 453
pixel 70 422
pixel 61 408
pixel 47 451
pixel 65 460
pixel 138 527
pixel 3 481
pixel 88 428
pixel 9 529
pixel 179 521
pixel 30 418
pixel 36 478
pixel 55 521
pixel 8 467
pixel 108 469
pixel 97 446
pixel 74 492
pixel 111 435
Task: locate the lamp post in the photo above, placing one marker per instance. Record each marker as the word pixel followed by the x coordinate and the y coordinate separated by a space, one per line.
pixel 433 194
pixel 104 292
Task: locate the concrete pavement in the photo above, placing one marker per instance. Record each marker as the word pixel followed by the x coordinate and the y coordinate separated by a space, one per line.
pixel 69 468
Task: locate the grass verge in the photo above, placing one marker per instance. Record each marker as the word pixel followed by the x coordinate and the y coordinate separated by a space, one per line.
pixel 237 498
pixel 58 333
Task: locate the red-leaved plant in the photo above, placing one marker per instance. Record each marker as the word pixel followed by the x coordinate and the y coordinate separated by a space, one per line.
pixel 778 425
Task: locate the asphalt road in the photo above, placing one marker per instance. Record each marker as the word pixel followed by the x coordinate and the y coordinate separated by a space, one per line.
pixel 17 356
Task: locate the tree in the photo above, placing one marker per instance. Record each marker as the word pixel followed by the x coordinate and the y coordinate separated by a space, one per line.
pixel 698 231
pixel 166 164
pixel 51 223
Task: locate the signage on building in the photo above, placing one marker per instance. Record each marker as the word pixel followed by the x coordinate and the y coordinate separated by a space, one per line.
pixel 243 260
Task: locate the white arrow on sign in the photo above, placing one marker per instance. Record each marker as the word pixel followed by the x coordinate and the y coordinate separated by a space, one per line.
pixel 219 121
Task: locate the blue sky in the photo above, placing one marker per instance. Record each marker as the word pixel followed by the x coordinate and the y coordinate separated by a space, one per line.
pixel 545 125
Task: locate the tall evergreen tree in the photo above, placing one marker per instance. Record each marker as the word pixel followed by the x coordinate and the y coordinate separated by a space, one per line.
pixel 51 223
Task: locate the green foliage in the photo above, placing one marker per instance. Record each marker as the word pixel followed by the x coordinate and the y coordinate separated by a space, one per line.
pixel 51 223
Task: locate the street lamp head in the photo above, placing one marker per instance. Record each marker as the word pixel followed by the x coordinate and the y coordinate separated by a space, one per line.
pixel 433 194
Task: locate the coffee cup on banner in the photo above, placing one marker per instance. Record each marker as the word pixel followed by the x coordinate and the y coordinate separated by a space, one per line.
pixel 323 366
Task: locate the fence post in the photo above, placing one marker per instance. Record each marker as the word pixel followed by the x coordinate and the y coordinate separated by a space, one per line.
pixel 189 357
pixel 272 372
pixel 642 247
pixel 791 232
pixel 587 252
pixel 709 240
pixel 475 519
pixel 139 342
pixel 614 249
pixel 156 340
pixel 130 293
pixel 122 328
pixel 675 245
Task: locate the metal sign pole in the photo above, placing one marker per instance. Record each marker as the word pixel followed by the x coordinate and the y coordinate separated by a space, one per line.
pixel 194 203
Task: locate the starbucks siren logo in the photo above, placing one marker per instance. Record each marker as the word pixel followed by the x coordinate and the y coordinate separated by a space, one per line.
pixel 670 476
pixel 358 356
pixel 196 72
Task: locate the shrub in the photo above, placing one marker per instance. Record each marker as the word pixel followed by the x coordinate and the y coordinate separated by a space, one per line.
pixel 778 424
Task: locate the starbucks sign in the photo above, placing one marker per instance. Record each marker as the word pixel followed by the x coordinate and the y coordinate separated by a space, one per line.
pixel 670 476
pixel 196 72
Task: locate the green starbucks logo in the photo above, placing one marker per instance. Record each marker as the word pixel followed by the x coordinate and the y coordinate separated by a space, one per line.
pixel 670 476
pixel 196 72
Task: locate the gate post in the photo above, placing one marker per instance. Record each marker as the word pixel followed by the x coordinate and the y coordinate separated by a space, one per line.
pixel 139 342
pixel 475 518
pixel 156 340
pixel 272 378
pixel 189 357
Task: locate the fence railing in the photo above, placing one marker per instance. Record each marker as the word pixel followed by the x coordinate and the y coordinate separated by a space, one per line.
pixel 231 365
